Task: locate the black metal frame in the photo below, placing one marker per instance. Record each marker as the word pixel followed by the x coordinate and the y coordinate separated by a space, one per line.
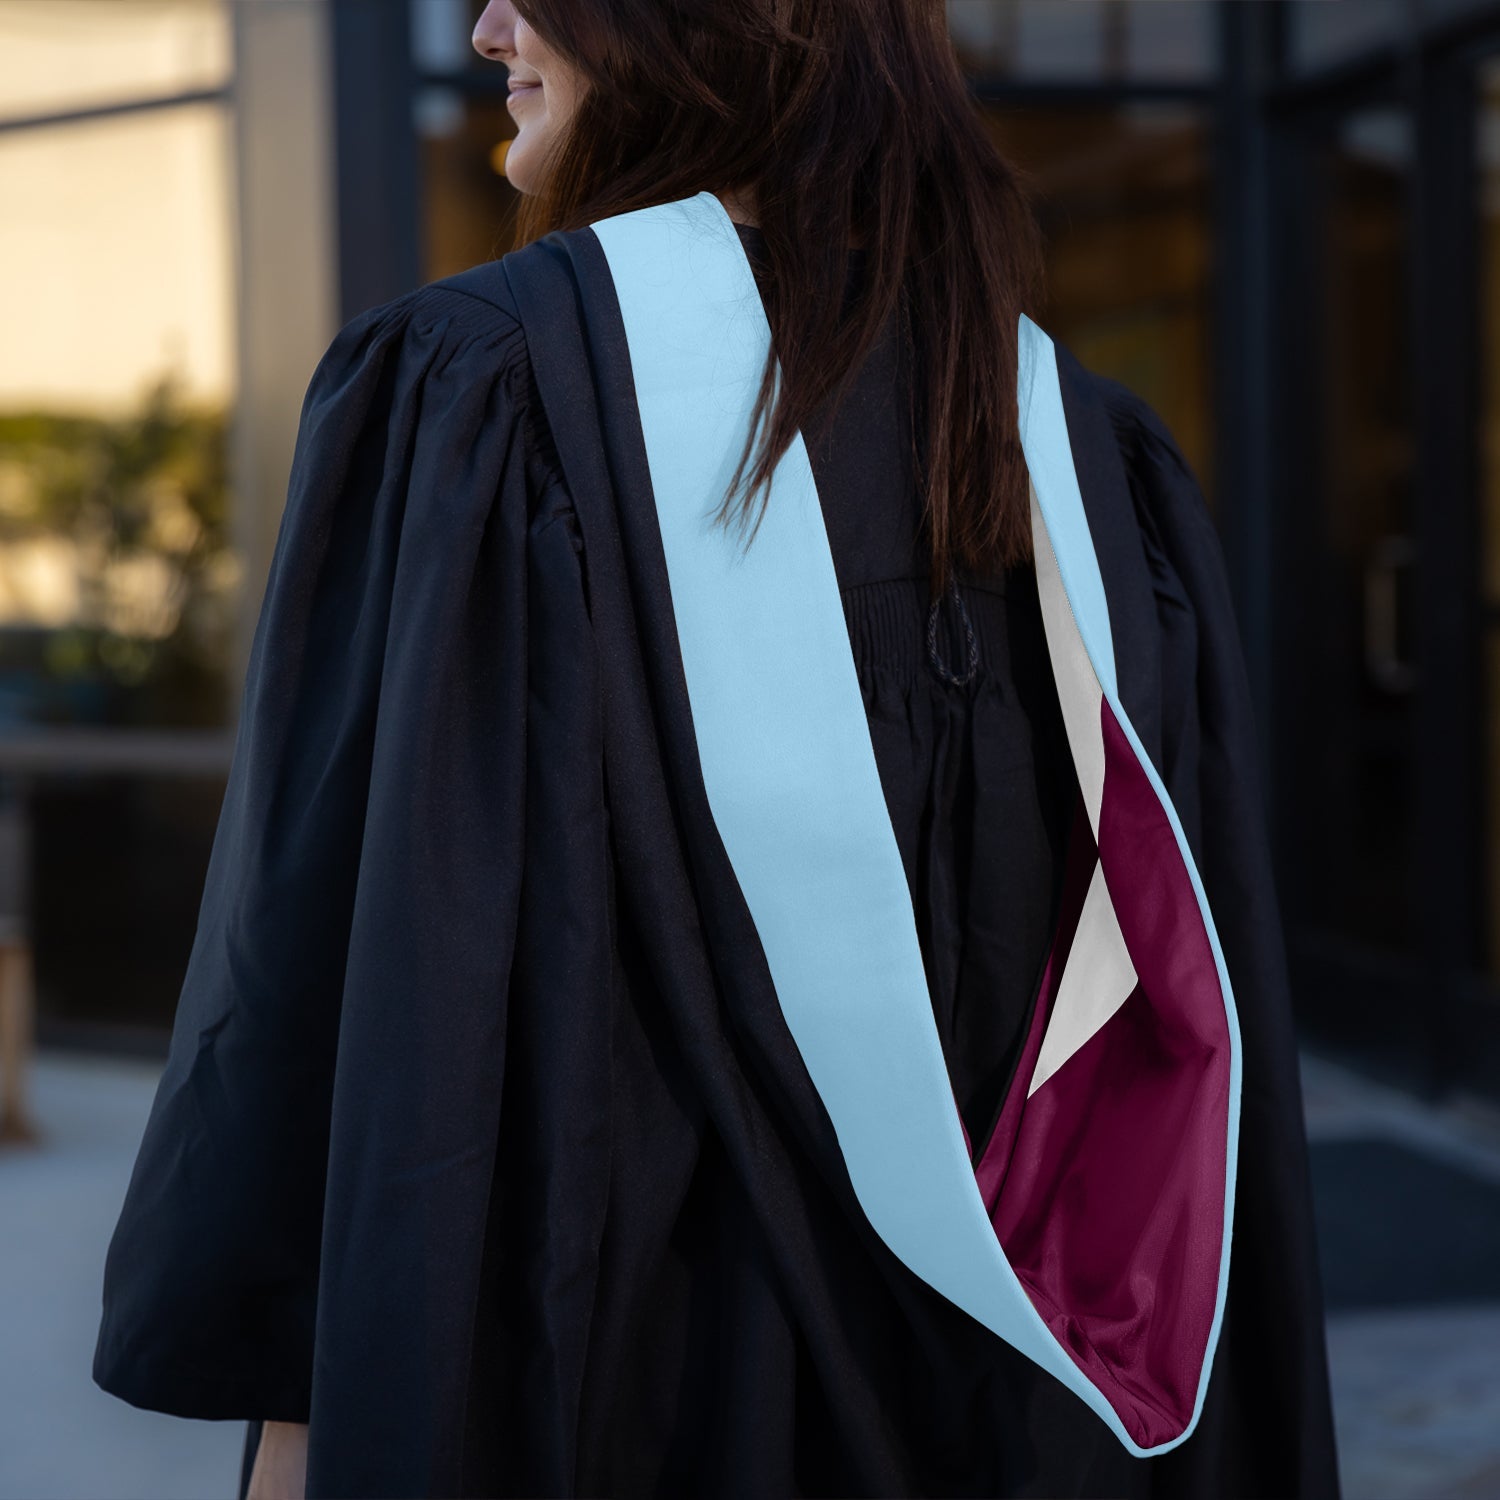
pixel 143 104
pixel 378 181
pixel 1451 782
pixel 1244 353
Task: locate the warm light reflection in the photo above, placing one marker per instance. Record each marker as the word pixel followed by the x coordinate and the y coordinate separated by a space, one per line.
pixel 40 581
pixel 58 55
pixel 469 210
pixel 114 540
pixel 115 259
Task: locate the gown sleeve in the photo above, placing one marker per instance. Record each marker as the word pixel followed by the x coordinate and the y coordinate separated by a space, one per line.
pixel 362 888
pixel 1271 1374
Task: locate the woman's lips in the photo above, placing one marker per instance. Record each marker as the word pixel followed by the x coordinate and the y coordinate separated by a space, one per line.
pixel 519 89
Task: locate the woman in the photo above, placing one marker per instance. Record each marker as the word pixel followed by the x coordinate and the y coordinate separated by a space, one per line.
pixel 519 1134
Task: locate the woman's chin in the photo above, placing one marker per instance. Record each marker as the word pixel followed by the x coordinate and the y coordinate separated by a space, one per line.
pixel 518 166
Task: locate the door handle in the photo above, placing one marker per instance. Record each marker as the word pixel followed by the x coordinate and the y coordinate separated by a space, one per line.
pixel 1388 669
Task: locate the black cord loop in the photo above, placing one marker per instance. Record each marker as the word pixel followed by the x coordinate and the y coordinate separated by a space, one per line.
pixel 938 665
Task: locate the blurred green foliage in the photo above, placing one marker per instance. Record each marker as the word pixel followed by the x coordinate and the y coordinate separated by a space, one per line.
pixel 118 580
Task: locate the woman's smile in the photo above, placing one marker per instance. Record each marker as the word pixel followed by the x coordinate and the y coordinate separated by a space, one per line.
pixel 548 83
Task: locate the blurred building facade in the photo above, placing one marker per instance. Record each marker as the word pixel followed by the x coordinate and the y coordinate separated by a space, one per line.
pixel 1279 222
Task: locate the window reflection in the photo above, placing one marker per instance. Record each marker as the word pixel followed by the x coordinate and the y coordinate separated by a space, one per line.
pixel 117 578
pixel 1322 33
pixel 440 35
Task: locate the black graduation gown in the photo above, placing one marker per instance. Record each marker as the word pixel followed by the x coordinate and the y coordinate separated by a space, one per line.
pixel 482 1143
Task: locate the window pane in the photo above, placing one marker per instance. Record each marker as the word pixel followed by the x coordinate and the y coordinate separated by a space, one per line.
pixel 1172 40
pixel 1082 40
pixel 1354 783
pixel 1443 10
pixel 440 33
pixel 1321 33
pixel 59 55
pixel 117 578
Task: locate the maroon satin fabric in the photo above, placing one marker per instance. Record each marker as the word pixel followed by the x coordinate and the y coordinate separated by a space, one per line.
pixel 1106 1186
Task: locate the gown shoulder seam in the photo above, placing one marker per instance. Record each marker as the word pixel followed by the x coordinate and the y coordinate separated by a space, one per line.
pixel 515 370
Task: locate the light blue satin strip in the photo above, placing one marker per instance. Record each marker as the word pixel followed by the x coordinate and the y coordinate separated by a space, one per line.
pixel 790 771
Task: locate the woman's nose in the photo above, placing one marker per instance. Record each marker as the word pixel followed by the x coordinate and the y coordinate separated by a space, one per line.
pixel 495 30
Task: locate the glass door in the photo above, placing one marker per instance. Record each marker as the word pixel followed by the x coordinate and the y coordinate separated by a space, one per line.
pixel 1387 729
pixel 1351 688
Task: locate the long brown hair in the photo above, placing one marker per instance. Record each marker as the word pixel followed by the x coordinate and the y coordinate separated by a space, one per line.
pixel 835 118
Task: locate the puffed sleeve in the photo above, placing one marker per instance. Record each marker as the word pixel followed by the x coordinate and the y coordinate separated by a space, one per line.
pixel 344 994
pixel 1271 1374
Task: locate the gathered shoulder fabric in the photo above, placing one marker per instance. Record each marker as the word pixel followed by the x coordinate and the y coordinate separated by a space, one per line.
pixel 319 1144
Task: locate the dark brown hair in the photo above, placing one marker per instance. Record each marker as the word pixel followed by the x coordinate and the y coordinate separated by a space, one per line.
pixel 834 118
